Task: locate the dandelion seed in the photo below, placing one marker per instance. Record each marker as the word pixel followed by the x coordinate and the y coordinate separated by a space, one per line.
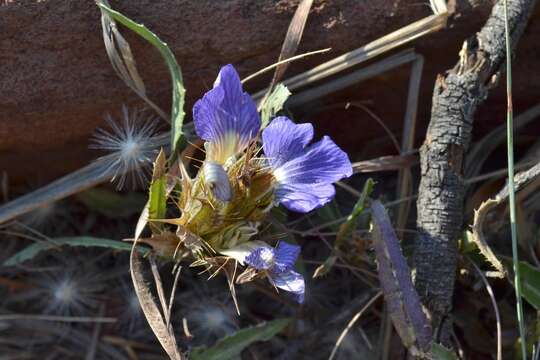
pixel 209 312
pixel 69 292
pixel 133 146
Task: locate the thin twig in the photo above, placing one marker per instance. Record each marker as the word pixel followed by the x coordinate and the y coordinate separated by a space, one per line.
pixel 173 292
pixel 159 288
pixel 291 59
pixel 495 308
pixel 67 319
pixel 351 323
pixel 91 353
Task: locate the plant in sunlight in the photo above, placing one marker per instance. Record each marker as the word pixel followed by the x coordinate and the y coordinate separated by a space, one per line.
pixel 248 171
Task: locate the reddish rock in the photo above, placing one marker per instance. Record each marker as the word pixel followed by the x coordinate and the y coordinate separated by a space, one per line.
pixel 56 82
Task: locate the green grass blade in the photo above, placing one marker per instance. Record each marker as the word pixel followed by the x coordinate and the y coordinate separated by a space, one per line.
pixel 511 186
pixel 230 347
pixel 178 91
pixel 35 249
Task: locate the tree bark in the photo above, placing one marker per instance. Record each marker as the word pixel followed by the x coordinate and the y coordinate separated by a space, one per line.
pixel 456 97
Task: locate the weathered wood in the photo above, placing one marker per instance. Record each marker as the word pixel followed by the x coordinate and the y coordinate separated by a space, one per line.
pixel 457 95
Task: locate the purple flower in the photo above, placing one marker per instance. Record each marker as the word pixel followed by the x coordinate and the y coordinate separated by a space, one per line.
pixel 279 265
pixel 304 173
pixel 226 117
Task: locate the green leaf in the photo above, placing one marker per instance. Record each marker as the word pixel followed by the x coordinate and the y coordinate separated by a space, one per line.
pixel 349 225
pixel 530 284
pixel 112 204
pixel 158 189
pixel 273 103
pixel 231 346
pixel 439 352
pixel 85 241
pixel 178 91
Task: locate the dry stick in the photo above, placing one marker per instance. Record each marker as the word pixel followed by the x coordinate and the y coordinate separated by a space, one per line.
pixel 456 97
pixel 407 142
pixel 377 47
pixel 329 87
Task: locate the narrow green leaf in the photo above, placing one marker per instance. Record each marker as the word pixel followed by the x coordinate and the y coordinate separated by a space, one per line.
pixel 84 241
pixel 273 103
pixel 349 225
pixel 178 91
pixel 231 346
pixel 530 286
pixel 439 352
pixel 158 188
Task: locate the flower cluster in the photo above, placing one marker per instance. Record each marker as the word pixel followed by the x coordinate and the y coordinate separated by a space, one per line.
pixel 240 181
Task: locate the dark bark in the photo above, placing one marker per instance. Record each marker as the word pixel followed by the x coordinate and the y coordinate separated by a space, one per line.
pixel 456 98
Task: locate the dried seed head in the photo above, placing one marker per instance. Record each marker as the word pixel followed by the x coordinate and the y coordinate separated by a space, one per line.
pixel 133 146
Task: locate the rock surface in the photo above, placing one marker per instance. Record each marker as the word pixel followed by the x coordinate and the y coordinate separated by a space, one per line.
pixel 56 82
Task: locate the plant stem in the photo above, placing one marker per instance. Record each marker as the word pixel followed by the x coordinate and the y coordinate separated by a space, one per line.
pixel 511 192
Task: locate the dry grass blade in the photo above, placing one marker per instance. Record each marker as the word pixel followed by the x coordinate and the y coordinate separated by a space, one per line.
pixel 122 60
pixel 92 348
pixel 438 6
pixel 386 163
pixel 292 40
pixel 150 308
pixel 284 61
pixel 377 119
pixel 495 308
pixel 176 272
pixel 377 47
pixel 82 179
pixel 351 324
pixel 55 318
pixel 402 300
pixel 522 179
pixel 354 77
pixel 159 288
